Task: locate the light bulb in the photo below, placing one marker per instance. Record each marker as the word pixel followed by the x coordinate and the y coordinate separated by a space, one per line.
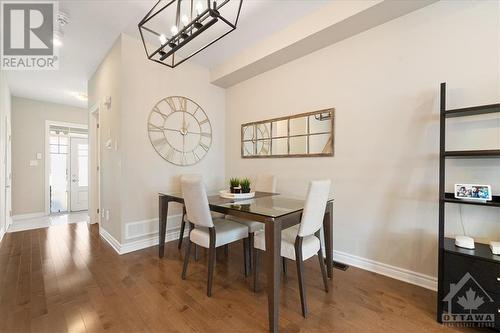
pixel 185 20
pixel 163 39
pixel 199 7
pixel 174 30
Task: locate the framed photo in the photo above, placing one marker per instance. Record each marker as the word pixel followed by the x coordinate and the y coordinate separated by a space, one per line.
pixel 473 192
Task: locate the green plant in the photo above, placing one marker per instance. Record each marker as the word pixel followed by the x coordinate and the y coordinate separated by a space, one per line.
pixel 234 182
pixel 245 185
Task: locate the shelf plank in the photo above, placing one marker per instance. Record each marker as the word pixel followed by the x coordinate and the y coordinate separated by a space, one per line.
pixel 482 251
pixel 472 111
pixel 450 197
pixel 490 153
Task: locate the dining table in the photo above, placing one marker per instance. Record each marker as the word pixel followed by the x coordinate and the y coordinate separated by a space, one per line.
pixel 276 212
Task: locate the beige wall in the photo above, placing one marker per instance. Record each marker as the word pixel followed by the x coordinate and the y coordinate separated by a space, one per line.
pixel 28 139
pixel 106 82
pixel 5 120
pixel 384 84
pixel 135 85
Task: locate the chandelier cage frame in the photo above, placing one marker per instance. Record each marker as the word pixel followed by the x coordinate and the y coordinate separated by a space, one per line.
pixel 198 24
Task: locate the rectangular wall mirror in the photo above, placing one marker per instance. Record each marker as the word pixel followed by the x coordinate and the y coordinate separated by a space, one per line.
pixel 303 135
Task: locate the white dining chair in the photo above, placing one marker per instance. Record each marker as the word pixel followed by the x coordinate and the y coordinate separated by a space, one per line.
pixel 302 241
pixel 185 221
pixel 205 231
pixel 263 183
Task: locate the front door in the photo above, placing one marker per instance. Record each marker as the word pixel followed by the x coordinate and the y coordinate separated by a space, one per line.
pixel 79 174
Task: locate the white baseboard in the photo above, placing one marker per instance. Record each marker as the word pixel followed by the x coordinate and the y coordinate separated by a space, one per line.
pixel 2 233
pixel 127 247
pixel 28 216
pixel 419 279
pixel 110 239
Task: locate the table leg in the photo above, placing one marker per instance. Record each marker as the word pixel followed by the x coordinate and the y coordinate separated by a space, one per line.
pixel 328 231
pixel 162 224
pixel 273 271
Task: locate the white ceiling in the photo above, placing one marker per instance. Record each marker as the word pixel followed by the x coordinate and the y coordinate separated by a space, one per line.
pixel 95 25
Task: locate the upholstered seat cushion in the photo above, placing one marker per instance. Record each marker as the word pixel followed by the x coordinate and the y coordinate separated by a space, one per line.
pixel 253 226
pixel 310 244
pixel 227 231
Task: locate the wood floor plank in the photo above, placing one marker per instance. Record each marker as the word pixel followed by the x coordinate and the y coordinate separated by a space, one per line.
pixel 67 279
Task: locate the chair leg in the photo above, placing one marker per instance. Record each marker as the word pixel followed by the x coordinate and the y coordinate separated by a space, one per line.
pixel 250 251
pixel 255 269
pixel 285 269
pixel 211 261
pixel 186 259
pixel 300 274
pixel 322 266
pixel 226 250
pixel 191 227
pixel 183 226
pixel 245 255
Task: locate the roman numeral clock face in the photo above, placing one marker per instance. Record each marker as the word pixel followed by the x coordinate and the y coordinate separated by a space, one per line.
pixel 179 130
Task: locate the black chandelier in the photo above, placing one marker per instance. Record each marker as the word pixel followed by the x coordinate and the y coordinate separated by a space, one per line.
pixel 175 30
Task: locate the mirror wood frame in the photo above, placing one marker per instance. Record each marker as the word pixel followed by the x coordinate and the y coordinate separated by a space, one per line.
pixel 268 124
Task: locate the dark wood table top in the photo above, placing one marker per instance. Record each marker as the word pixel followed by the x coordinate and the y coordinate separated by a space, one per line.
pixel 265 204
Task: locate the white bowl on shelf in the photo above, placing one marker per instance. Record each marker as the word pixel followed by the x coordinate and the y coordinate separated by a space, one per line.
pixel 236 196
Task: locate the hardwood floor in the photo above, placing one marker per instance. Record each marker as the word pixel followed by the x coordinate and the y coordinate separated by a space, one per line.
pixel 66 279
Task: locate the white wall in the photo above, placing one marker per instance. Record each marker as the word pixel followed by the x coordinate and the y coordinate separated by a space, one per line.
pixel 142 172
pixel 106 82
pixel 384 84
pixel 5 121
pixel 28 139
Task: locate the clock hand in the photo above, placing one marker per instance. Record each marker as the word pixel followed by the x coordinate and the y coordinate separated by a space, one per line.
pixel 172 129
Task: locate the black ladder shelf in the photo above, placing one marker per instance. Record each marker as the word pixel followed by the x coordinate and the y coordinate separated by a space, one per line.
pixel 453 261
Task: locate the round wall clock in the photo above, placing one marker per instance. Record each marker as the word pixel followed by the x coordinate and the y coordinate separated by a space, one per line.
pixel 179 130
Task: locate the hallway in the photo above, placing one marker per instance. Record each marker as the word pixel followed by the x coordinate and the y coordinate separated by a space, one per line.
pixel 47 221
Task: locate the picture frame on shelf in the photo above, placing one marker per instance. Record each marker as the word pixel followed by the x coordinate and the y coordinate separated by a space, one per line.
pixel 474 192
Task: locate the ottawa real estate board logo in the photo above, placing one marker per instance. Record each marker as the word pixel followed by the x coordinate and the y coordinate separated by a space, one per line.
pixel 467 304
pixel 27 32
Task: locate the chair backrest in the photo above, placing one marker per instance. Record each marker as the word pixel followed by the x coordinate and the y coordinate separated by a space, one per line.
pixel 196 201
pixel 266 183
pixel 314 209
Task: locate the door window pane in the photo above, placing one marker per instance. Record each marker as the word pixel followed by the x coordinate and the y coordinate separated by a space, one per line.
pixel 58 183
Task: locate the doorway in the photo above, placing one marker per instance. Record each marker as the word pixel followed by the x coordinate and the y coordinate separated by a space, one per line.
pixel 68 172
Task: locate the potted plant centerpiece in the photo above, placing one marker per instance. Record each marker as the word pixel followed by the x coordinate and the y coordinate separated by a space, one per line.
pixel 245 185
pixel 234 184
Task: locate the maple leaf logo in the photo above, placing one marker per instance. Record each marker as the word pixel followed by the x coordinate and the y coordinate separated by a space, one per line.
pixel 470 301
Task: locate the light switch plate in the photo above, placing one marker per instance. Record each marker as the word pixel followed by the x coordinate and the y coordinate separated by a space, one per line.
pixel 33 163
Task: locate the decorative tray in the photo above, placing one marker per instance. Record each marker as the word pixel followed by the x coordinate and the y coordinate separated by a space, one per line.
pixel 236 196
